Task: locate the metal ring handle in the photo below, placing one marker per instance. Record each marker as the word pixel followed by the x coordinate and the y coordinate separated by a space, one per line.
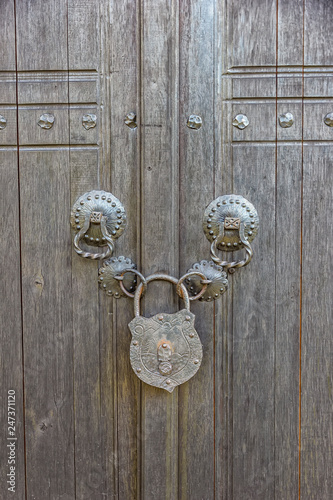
pixel 94 256
pixel 120 278
pixel 204 281
pixel 238 263
pixel 159 277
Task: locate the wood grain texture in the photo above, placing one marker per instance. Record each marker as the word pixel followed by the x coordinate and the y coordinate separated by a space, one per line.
pixel 11 362
pixel 125 180
pixel 47 323
pixel 317 48
pixel 287 338
pixel 317 347
pixel 84 53
pixel 197 164
pixel 159 227
pixel 7 27
pixel 254 332
pixel 251 23
pixel 42 44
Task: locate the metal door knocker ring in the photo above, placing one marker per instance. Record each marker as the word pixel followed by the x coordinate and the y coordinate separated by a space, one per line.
pixel 98 218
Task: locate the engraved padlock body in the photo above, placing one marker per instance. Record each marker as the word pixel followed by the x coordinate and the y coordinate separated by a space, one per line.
pixel 165 350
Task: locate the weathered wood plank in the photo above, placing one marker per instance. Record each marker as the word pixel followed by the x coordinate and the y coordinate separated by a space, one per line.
pixel 125 181
pixel 11 363
pixel 252 33
pixel 7 27
pixel 159 227
pixel 46 276
pixel 197 189
pixel 317 33
pixel 47 323
pixel 317 344
pixel 287 340
pixel 254 332
pixel 290 33
pixel 42 44
pixel 84 53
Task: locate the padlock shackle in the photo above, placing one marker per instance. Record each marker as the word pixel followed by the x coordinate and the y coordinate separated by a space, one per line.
pixel 160 277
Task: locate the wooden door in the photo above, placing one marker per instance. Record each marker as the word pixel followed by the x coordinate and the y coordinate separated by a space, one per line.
pixel 256 421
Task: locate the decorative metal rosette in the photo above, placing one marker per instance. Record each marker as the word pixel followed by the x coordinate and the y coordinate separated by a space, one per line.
pixel 103 204
pixel 226 214
pixel 214 273
pixel 114 267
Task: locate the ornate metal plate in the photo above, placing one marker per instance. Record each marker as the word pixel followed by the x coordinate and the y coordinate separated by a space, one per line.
pixel 213 272
pixel 165 350
pixel 95 205
pixel 229 212
pixel 113 267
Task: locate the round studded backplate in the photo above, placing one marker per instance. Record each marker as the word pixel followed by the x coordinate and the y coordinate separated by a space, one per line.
pixel 227 213
pixel 113 267
pixel 100 204
pixel 213 272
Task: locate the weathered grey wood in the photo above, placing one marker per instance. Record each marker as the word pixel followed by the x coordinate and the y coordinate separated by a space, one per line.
pixel 11 369
pixel 287 339
pixel 47 323
pixel 316 382
pixel 42 45
pixel 197 189
pixel 317 29
pixel 254 332
pixel 7 27
pixel 84 53
pixel 290 33
pixel 46 259
pixel 159 227
pixel 124 90
pixel 252 33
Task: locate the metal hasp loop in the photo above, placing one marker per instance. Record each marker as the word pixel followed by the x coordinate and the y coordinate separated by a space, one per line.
pixel 159 277
pixel 230 223
pixel 98 218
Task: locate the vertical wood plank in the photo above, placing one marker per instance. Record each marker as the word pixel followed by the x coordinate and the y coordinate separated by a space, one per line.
pixel 11 356
pixel 159 227
pixel 254 332
pixel 42 44
pixel 251 23
pixel 46 275
pixel 7 27
pixel 287 343
pixel 317 29
pixel 47 322
pixel 86 56
pixel 317 345
pixel 125 181
pixel 11 362
pixel 197 190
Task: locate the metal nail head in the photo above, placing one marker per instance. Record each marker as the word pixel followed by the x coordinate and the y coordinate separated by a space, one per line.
pixel 241 121
pixel 286 120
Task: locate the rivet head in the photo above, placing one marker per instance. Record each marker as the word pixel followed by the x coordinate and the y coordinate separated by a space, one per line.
pixel 188 318
pixel 194 121
pixel 3 122
pixel 286 120
pixel 130 120
pixel 135 342
pixel 241 121
pixel 196 361
pixel 138 370
pixel 46 121
pixel 164 346
pixel 168 381
pixel 328 120
pixel 89 121
pixel 191 335
pixel 160 318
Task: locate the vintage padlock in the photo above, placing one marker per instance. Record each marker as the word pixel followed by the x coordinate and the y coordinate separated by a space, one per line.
pixel 165 350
